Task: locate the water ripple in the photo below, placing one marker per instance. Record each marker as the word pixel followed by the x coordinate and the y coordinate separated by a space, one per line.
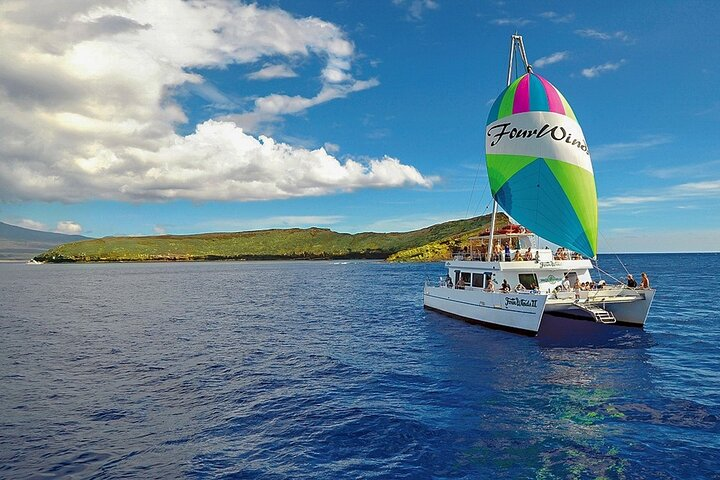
pixel 334 370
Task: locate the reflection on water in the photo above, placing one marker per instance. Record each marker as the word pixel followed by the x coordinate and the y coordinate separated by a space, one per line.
pixel 578 401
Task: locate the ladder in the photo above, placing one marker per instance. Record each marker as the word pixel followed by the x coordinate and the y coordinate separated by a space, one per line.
pixel 598 313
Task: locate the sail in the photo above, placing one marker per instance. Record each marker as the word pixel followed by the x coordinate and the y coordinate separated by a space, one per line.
pixel 539 165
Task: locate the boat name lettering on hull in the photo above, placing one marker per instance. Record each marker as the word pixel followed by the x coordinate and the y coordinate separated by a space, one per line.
pixel 520 302
pixel 549 264
pixel 557 133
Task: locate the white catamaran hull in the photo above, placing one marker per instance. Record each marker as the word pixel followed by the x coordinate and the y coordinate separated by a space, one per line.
pixel 517 311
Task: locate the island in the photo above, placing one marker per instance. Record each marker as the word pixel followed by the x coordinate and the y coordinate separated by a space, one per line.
pixel 433 243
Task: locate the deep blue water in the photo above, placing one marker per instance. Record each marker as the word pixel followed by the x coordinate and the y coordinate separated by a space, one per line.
pixel 334 370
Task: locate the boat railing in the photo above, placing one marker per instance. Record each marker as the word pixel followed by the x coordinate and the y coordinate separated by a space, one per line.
pixel 606 293
pixel 444 283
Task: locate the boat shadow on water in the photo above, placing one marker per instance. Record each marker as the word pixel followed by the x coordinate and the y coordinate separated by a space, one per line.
pixel 561 330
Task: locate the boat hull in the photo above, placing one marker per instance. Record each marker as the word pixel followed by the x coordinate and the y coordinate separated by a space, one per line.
pixel 628 306
pixel 514 311
pixel 633 313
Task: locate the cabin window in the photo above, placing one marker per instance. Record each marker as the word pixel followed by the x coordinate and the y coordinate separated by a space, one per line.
pixel 466 277
pixel 478 280
pixel 528 280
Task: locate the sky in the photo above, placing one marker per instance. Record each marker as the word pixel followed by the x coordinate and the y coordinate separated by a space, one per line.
pixel 144 117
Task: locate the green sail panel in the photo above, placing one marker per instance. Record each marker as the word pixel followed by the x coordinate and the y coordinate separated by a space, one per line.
pixel 539 165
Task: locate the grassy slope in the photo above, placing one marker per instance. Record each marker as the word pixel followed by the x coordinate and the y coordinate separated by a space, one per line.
pixel 268 244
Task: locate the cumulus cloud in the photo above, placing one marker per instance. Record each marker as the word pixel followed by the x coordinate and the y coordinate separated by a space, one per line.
pixel 550 59
pixel 69 227
pixel 592 72
pixel 88 106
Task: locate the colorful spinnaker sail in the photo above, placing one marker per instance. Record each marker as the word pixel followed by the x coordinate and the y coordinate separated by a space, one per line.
pixel 539 164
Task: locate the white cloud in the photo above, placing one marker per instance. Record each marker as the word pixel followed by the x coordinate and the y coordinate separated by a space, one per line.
pixel 685 240
pixel 416 8
pixel 270 108
pixel 221 162
pixel 558 18
pixel 331 147
pixel 31 224
pixel 87 107
pixel 69 227
pixel 688 191
pixel 160 229
pixel 684 170
pixel 513 22
pixel 550 59
pixel 596 70
pixel 269 72
pixel 599 35
pixel 623 150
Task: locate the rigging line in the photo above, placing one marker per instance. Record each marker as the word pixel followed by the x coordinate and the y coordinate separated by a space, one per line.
pixel 467 210
pixel 608 274
pixel 616 255
pixel 482 197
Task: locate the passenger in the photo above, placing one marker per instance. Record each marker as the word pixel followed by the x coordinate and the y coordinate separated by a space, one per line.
pixel 520 287
pixel 645 281
pixel 483 253
pixel 631 281
pixel 558 254
pixel 448 281
pixel 460 283
pixel 490 286
pixel 507 252
pixel 497 251
pixel 534 288
pixel 517 256
pixel 566 284
pixel 601 284
pixel 505 286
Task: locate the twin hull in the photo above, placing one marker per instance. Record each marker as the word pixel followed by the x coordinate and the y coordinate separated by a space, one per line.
pixel 516 311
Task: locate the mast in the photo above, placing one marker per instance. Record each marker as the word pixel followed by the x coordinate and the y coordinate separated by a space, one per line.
pixel 516 41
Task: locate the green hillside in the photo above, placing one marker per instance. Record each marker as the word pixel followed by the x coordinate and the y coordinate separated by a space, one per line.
pixel 310 243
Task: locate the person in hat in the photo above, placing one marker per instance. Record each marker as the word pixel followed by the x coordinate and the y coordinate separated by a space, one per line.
pixel 631 281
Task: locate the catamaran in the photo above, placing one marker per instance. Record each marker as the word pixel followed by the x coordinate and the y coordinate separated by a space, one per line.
pixel 540 173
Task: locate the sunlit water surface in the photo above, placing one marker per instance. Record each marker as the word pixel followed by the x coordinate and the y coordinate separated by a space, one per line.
pixel 335 370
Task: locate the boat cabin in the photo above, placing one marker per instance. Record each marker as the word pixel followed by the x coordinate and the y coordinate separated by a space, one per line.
pixel 514 259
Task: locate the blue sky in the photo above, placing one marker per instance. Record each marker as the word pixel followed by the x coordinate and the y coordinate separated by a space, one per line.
pixel 165 116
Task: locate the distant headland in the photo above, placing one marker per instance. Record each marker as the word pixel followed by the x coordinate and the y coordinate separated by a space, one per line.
pixel 432 243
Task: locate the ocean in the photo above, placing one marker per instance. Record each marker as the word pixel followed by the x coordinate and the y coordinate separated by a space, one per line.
pixel 333 369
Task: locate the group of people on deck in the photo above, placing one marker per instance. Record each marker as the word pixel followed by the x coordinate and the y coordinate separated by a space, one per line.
pixel 504 253
pixel 565 254
pixel 506 288
pixel 644 281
